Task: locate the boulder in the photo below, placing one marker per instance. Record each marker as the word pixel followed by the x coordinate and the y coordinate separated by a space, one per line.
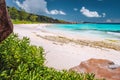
pixel 100 67
pixel 6 26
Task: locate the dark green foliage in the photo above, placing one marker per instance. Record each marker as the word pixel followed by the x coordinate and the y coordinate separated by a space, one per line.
pixel 21 61
pixel 33 18
pixel 24 16
pixel 14 13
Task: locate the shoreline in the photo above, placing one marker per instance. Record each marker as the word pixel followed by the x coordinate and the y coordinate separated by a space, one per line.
pixel 63 51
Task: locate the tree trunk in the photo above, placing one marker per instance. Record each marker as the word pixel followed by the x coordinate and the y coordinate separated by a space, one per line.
pixel 6 27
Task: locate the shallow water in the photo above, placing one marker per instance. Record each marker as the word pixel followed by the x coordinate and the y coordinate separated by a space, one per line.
pixel 111 31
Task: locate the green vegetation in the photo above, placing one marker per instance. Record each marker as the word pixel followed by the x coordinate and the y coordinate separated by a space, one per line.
pixel 20 16
pixel 21 61
pixel 23 22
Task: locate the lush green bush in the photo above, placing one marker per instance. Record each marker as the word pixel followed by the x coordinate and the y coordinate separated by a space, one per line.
pixel 17 56
pixel 21 61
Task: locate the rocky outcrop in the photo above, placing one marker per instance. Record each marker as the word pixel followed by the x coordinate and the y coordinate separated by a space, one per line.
pixel 101 68
pixel 6 26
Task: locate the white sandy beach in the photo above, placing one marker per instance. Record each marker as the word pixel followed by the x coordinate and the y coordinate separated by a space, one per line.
pixel 60 55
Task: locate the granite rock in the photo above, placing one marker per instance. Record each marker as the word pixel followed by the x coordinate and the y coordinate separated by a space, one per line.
pixel 100 67
pixel 6 27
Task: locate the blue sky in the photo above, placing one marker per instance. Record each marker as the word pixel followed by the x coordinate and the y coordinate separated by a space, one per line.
pixel 72 10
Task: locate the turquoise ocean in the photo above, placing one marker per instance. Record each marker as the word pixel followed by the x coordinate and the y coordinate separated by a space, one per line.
pixel 111 31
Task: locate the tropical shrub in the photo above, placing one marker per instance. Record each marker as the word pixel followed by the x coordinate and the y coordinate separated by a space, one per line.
pixel 21 61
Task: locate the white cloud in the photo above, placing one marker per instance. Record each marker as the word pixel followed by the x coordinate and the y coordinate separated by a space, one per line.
pixel 89 13
pixel 33 6
pixel 75 9
pixel 18 3
pixel 55 12
pixel 108 20
pixel 61 12
pixel 104 14
pixel 37 6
